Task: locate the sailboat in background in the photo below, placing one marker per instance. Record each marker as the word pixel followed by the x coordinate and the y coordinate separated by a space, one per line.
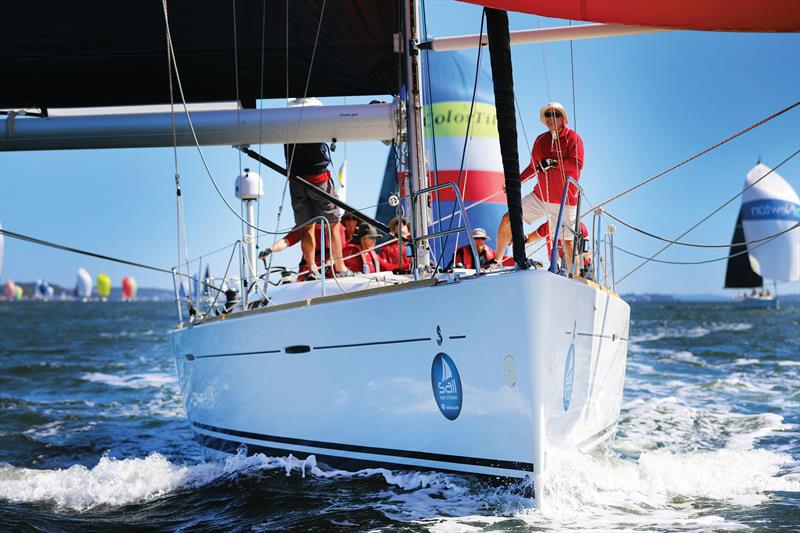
pixel 769 205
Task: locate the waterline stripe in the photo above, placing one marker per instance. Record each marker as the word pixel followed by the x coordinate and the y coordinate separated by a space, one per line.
pixel 354 464
pixel 408 454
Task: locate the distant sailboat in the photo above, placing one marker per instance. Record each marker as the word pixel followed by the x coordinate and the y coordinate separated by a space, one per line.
pixel 103 286
pixel 769 205
pixel 83 285
pixel 128 288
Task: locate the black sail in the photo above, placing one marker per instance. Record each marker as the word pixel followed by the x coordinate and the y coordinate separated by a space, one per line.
pixel 740 274
pixel 56 53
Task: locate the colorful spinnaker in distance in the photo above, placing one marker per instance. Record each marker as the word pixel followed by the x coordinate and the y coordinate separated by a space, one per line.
pixel 103 285
pixel 10 291
pixel 128 288
pixel 83 285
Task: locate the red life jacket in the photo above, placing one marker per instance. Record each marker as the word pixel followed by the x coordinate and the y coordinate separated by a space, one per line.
pixel 464 256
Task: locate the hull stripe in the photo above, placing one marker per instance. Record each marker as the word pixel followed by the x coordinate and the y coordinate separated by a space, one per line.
pixel 236 353
pixel 407 454
pixel 352 464
pixel 375 343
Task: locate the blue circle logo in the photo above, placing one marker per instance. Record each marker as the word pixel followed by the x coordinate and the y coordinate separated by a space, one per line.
pixel 569 375
pixel 446 386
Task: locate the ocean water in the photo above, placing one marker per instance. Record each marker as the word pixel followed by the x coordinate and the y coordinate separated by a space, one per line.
pixel 93 437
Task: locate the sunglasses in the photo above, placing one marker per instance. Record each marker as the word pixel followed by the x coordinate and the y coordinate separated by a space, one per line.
pixel 551 114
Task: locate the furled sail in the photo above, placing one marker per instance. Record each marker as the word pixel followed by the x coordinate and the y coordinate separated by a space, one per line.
pixel 100 53
pixel 710 15
pixel 739 274
pixel 769 207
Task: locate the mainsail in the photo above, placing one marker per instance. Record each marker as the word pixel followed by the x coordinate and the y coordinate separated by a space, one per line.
pixel 100 53
pixel 771 206
pixel 740 274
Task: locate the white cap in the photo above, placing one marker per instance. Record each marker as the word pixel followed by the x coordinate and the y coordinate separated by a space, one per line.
pixel 553 106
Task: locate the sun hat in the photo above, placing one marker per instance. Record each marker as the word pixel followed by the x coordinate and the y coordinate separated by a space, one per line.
pixel 480 233
pixel 553 106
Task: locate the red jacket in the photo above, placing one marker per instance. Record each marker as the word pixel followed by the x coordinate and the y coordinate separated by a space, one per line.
pixel 389 258
pixel 360 259
pixel 568 149
pixel 464 256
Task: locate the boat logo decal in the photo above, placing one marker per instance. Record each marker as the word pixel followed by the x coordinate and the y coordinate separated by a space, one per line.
pixel 569 375
pixel 446 385
pixel 439 337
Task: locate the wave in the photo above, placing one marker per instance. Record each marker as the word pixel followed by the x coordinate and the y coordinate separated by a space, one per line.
pixel 131 381
pixel 689 332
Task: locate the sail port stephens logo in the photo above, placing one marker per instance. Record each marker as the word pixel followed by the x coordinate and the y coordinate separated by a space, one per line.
pixel 446 385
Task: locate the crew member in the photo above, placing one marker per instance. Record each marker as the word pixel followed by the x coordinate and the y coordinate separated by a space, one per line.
pixel 464 257
pixel 556 155
pixel 396 257
pixel 310 162
pixel 360 254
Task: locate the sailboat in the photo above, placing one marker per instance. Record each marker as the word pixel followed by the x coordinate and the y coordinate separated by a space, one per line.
pixel 769 206
pixel 281 370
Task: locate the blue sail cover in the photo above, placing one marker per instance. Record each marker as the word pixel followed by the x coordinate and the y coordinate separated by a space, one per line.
pixel 449 79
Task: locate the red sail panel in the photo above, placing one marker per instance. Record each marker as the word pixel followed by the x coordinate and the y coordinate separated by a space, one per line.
pixel 708 15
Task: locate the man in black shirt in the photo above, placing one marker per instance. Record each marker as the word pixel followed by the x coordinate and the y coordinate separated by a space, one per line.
pixel 310 162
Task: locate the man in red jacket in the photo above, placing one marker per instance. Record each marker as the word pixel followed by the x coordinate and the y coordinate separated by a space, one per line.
pixel 360 254
pixel 464 254
pixel 396 257
pixel 556 154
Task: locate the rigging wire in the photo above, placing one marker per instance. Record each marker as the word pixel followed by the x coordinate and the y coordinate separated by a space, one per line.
pixel 760 242
pixel 50 244
pixel 572 71
pixel 695 245
pixel 197 142
pixel 724 141
pixel 467 138
pixel 179 207
pixel 705 218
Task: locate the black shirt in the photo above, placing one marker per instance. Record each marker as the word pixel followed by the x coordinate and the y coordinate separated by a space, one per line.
pixel 309 159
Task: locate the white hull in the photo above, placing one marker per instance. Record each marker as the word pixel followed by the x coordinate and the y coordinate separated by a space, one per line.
pixel 759 303
pixel 359 388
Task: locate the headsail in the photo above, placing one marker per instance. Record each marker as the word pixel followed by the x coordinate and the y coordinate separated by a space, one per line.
pixel 769 207
pixel 739 274
pixel 710 15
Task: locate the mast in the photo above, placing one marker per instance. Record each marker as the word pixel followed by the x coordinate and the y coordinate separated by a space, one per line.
pixel 417 175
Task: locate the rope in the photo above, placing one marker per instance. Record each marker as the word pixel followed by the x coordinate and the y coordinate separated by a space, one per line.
pixel 695 245
pixel 709 215
pixel 41 242
pixel 761 242
pixel 728 139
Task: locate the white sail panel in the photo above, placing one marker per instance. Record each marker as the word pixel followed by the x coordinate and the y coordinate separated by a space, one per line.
pixel 83 285
pixel 769 207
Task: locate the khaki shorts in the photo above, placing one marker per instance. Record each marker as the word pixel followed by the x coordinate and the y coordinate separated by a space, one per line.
pixel 534 207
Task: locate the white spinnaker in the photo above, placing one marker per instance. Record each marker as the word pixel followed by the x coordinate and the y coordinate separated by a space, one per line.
pixel 84 283
pixel 769 207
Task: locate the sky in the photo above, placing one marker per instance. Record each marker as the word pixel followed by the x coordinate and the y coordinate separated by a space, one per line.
pixel 641 104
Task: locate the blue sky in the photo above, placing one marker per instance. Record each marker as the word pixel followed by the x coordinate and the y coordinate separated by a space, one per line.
pixel 643 103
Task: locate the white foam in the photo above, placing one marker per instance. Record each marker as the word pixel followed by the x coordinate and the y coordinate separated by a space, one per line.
pixel 690 332
pixel 131 381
